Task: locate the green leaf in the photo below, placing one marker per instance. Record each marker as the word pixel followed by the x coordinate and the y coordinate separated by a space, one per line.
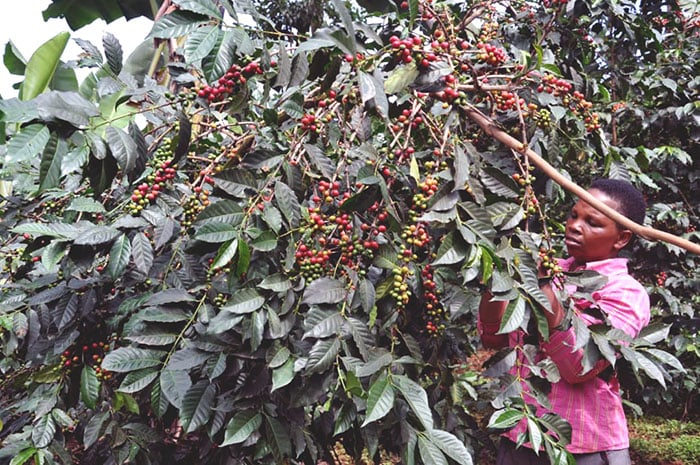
pixel 119 256
pixel 113 52
pixel 513 316
pixel 170 296
pixel 174 384
pixel 283 375
pixel 51 160
pixel 451 446
pixel 224 211
pixel 217 233
pixel 276 282
pixel 325 165
pixel 197 406
pixel 86 205
pixel 417 399
pixel 176 24
pixel 324 291
pixel 42 65
pixel 125 359
pixel 380 400
pixel 89 386
pixel 322 355
pixel 93 428
pixel 27 143
pixel 136 381
pixel 534 434
pixel 123 148
pixel 265 242
pixel 429 452
pixel 153 337
pixel 288 203
pixel 505 419
pixel 22 457
pixel 323 324
pixel 43 431
pixel 400 78
pixel 142 252
pixel 226 253
pixel 244 301
pixel 204 7
pixel 278 439
pixel 201 42
pixel 95 234
pixel 241 426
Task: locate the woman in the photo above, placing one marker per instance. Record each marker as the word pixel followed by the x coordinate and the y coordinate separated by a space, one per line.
pixel 589 401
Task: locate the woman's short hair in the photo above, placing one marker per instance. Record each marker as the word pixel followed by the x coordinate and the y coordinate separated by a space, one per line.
pixel 631 202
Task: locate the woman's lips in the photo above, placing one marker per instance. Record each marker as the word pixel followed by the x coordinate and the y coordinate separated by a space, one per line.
pixel 572 241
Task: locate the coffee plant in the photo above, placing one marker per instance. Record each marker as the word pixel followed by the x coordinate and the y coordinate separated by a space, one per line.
pixel 266 244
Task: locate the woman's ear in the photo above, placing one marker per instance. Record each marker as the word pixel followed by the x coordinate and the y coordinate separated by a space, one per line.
pixel 623 238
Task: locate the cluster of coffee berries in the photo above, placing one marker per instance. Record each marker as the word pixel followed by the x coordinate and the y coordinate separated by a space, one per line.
pixel 406 120
pixel 435 314
pixel 506 101
pixel 309 122
pixel 194 204
pixel 90 354
pixel 333 238
pixel 661 277
pixel 491 54
pixel 230 83
pixel 543 118
pixel 164 170
pixel 410 49
pixel 549 262
pixel 400 289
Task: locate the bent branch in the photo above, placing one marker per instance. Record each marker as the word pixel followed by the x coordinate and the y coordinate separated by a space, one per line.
pixel 646 232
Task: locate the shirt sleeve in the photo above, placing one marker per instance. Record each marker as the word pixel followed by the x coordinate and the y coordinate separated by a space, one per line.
pixel 489 338
pixel 626 304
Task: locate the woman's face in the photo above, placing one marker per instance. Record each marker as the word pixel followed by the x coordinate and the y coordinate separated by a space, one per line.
pixel 592 236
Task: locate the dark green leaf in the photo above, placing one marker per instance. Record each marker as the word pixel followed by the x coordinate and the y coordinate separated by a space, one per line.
pixel 119 256
pixel 136 381
pixel 201 42
pixel 417 399
pixel 288 203
pixel 244 301
pixel 27 143
pixel 89 386
pixel 323 355
pixel 380 400
pixel 283 375
pixel 94 235
pixel 204 7
pixel 324 291
pixel 197 406
pixel 278 439
pixel 125 359
pixel 176 24
pixel 123 148
pixel 142 252
pixel 241 426
pixel 174 384
pixel 43 431
pixel 113 52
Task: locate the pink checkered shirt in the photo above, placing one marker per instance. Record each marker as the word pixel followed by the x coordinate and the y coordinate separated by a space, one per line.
pixel 591 405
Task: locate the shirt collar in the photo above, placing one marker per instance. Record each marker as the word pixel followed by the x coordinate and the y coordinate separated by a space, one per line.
pixel 607 267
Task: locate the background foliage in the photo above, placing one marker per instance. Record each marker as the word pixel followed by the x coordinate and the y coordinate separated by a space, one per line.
pixel 264 239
